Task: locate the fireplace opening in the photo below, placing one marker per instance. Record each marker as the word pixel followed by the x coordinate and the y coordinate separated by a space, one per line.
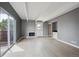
pixel 32 34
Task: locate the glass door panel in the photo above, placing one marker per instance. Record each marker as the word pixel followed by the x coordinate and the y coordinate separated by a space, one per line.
pixel 11 30
pixel 3 31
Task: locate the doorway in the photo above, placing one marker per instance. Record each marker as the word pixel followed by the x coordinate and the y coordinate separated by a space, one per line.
pixel 49 30
pixel 54 29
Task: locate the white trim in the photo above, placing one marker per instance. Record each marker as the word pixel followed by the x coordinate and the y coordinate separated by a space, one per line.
pixel 68 43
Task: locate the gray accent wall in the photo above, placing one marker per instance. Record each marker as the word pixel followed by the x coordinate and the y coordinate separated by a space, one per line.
pixel 24 27
pixel 45 28
pixel 28 26
pixel 9 9
pixel 68 27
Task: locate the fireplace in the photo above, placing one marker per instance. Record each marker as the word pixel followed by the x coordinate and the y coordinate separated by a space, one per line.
pixel 32 34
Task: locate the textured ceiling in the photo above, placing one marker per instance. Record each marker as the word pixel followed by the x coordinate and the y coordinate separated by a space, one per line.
pixel 43 11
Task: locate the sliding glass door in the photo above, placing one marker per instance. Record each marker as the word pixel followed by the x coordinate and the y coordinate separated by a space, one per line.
pixel 3 31
pixel 7 31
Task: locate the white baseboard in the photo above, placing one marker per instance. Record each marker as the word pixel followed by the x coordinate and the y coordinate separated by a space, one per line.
pixel 68 43
pixel 30 36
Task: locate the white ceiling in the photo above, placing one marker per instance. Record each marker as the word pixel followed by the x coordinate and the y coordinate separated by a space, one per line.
pixel 42 10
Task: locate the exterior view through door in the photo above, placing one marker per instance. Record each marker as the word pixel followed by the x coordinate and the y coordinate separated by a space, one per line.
pixel 7 31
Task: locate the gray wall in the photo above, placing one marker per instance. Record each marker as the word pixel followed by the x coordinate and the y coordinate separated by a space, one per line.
pixel 28 26
pixel 24 27
pixel 31 26
pixel 9 9
pixel 45 28
pixel 68 27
